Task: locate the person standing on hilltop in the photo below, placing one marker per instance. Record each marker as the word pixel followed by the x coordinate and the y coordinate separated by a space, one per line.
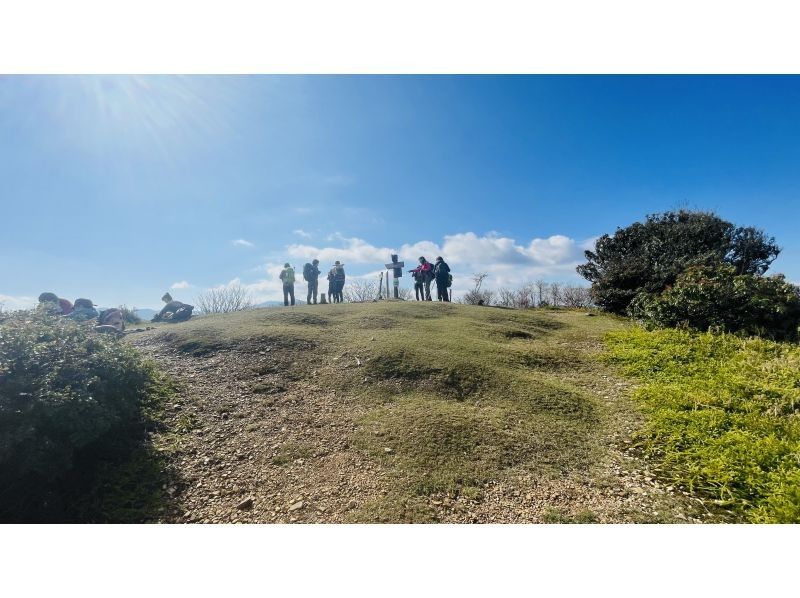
pixel 311 274
pixel 287 277
pixel 441 273
pixel 419 291
pixel 425 274
pixel 337 277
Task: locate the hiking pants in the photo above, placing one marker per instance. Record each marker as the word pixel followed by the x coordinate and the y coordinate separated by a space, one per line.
pixel 427 284
pixel 313 285
pixel 441 290
pixel 419 291
pixel 339 288
pixel 288 290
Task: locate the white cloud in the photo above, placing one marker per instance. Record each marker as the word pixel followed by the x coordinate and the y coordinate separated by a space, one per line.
pixel 353 251
pixel 180 285
pixel 301 233
pixel 242 243
pixel 10 302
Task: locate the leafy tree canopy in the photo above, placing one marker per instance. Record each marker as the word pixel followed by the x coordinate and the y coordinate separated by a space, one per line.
pixel 648 256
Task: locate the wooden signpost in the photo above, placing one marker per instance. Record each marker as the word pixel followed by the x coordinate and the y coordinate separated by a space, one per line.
pixel 397 271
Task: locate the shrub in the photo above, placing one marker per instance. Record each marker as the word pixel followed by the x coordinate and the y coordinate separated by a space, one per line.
pixel 129 315
pixel 63 389
pixel 648 257
pixel 722 416
pixel 477 295
pixel 224 300
pixel 719 298
pixel 360 291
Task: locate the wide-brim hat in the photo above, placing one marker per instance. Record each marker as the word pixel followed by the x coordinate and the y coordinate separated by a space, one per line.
pixel 338 263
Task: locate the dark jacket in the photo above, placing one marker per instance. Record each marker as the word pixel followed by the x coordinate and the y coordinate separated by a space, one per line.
pixel 441 270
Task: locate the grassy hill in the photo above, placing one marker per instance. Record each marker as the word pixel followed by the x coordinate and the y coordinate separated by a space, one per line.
pixel 400 412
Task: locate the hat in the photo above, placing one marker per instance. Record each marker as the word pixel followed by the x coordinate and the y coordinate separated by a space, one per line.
pixel 422 258
pixel 84 303
pixel 439 259
pixel 338 263
pixel 315 261
pixel 51 297
pixel 287 265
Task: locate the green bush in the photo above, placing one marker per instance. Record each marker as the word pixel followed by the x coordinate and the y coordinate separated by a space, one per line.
pixel 129 315
pixel 717 297
pixel 63 389
pixel 647 257
pixel 722 416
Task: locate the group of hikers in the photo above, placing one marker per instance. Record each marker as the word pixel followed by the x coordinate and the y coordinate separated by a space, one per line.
pixel 423 275
pixel 113 319
pixel 311 272
pixel 426 273
pixel 83 310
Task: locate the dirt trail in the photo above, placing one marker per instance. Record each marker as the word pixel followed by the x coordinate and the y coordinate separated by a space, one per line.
pixel 249 441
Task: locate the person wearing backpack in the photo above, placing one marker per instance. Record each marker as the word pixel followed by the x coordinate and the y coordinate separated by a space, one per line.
pixel 338 281
pixel 311 274
pixel 287 277
pixel 441 273
pixel 173 311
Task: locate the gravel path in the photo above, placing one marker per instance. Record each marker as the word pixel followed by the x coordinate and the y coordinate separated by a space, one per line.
pixel 247 443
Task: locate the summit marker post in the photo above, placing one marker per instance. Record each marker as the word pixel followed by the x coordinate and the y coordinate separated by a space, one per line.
pixel 397 271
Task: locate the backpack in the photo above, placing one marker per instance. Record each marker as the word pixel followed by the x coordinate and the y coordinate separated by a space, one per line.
pixel 449 280
pixel 288 276
pixel 308 272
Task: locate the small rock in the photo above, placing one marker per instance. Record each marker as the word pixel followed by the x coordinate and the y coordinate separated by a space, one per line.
pixel 388 450
pixel 296 506
pixel 247 503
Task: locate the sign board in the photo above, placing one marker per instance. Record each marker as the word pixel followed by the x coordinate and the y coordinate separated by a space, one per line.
pixel 394 265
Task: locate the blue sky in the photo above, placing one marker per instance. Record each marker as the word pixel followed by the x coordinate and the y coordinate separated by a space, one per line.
pixel 120 188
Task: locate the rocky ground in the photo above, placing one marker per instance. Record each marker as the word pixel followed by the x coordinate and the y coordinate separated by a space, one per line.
pixel 249 440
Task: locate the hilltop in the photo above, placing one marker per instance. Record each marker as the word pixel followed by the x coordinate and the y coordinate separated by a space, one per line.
pixel 401 412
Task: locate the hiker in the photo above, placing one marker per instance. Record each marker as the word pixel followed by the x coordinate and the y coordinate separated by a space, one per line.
pixel 331 287
pixel 311 274
pixel 83 310
pixel 425 275
pixel 419 290
pixel 173 311
pixel 54 303
pixel 338 281
pixel 287 277
pixel 441 273
pixel 111 321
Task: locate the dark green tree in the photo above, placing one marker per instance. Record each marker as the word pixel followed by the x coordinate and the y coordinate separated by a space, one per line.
pixel 648 256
